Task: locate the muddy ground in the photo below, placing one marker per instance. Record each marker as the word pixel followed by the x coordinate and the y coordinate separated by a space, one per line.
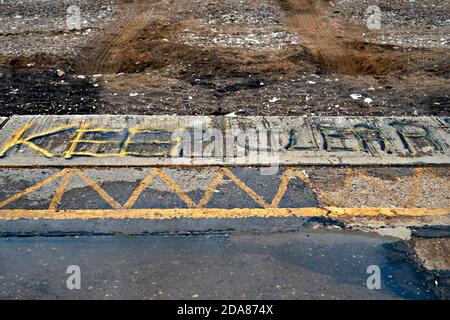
pixel 211 57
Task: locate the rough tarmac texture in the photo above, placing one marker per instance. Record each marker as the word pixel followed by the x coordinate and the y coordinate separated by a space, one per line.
pixel 432 252
pixel 303 265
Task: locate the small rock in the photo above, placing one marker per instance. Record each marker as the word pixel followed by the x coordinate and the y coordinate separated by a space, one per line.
pixel 396 232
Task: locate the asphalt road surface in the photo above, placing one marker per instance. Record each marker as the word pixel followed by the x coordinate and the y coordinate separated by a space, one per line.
pixel 311 263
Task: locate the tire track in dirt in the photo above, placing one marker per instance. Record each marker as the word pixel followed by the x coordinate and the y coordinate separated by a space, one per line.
pixel 306 17
pixel 109 58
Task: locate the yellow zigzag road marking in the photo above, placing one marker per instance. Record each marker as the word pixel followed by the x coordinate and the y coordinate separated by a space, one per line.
pixel 66 175
pixel 33 188
pixel 376 185
pixel 308 182
pixel 142 186
pixel 174 186
pixel 244 187
pixel 212 187
pixel 60 190
pixel 99 190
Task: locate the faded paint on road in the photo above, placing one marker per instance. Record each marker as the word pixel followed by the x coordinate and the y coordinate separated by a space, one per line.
pixel 221 192
pixel 187 140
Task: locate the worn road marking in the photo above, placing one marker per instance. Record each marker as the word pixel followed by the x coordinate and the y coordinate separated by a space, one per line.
pixel 32 188
pixel 60 191
pixel 203 213
pixel 329 207
pixel 142 186
pixel 99 190
pixel 68 141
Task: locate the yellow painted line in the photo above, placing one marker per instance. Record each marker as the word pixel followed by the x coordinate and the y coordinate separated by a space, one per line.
pixel 18 139
pixel 284 183
pixel 59 193
pixel 202 213
pixel 113 203
pixel 33 188
pixel 210 191
pixel 377 186
pixel 416 188
pixel 241 184
pixel 299 174
pixel 175 188
pixel 142 186
pixel 387 212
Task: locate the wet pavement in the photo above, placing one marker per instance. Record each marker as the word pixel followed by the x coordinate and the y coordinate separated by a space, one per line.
pixel 320 263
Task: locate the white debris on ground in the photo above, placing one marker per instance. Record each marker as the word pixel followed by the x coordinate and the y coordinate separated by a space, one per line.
pixel 49 16
pixel 254 12
pixel 414 40
pixel 403 23
pixel 255 25
pixel 251 40
pixel 46 21
pixel 235 57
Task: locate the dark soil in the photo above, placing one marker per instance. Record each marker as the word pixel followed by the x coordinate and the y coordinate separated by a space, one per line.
pixel 43 92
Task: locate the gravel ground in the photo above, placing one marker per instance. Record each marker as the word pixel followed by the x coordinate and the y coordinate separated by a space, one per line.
pixel 398 13
pixel 256 25
pixel 34 27
pixel 50 15
pixel 417 24
pixel 210 57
